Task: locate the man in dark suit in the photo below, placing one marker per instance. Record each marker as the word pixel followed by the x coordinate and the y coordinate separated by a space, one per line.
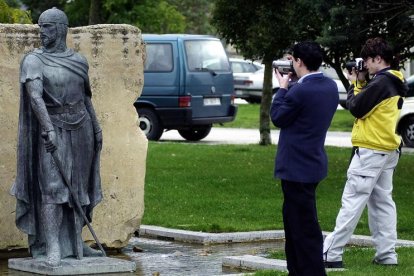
pixel 303 113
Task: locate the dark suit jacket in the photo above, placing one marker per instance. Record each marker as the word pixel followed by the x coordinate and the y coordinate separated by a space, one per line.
pixel 304 113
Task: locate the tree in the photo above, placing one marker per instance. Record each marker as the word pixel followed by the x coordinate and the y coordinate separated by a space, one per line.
pixel 348 23
pixel 151 16
pixel 95 12
pixel 37 7
pixel 158 17
pixel 263 30
pixel 197 15
pixel 13 15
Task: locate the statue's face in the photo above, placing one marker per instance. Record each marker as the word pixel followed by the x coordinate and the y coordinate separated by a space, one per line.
pixel 48 34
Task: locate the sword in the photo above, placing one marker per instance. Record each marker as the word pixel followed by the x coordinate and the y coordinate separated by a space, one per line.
pixel 73 194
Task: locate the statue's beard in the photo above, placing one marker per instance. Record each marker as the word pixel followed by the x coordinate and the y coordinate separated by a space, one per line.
pixel 56 43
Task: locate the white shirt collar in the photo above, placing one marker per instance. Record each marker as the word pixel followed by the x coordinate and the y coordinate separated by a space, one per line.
pixel 303 77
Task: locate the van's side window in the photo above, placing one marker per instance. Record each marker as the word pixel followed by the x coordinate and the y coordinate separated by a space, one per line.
pixel 159 57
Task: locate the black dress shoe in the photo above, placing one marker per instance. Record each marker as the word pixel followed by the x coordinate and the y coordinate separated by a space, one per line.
pixel 337 264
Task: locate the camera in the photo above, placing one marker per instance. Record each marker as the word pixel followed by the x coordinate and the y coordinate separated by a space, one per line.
pixel 358 63
pixel 283 66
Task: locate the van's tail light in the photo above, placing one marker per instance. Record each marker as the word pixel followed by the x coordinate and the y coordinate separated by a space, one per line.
pixel 184 101
pixel 232 97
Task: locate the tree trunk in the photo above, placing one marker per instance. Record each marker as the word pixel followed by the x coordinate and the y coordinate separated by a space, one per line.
pixel 265 138
pixel 95 12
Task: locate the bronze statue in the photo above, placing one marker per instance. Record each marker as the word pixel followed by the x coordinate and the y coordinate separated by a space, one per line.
pixel 59 144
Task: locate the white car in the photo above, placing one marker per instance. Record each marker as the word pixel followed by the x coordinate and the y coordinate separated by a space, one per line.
pixel 244 66
pixel 248 79
pixel 406 122
pixel 250 86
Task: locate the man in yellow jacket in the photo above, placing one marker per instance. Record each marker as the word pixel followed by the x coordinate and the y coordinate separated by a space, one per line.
pixel 376 106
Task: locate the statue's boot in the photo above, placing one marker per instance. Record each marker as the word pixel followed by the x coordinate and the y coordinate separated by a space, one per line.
pixel 52 220
pixel 90 252
pixel 53 255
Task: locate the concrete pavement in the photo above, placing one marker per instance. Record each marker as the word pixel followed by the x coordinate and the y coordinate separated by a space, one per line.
pixel 219 135
pixel 249 262
pixel 237 136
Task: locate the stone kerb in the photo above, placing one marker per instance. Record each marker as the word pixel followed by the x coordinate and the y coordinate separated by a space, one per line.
pixel 115 56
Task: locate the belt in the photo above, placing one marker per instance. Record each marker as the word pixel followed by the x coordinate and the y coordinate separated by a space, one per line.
pixel 67 108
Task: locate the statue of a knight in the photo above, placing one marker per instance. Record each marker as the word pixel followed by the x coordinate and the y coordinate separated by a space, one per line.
pixel 56 115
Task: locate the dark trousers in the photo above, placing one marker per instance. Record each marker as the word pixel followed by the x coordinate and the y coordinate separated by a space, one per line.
pixel 304 241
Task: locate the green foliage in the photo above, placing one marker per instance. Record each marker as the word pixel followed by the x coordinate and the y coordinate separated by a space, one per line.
pixel 152 16
pixel 78 12
pixel 158 17
pixel 263 30
pixel 37 7
pixel 12 3
pixel 197 15
pixel 248 117
pixel 13 15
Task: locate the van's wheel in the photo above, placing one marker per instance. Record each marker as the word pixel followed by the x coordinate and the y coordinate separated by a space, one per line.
pixel 196 133
pixel 150 124
pixel 407 131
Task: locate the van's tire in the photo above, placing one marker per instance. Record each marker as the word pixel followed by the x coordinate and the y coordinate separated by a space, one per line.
pixel 407 131
pixel 150 124
pixel 196 133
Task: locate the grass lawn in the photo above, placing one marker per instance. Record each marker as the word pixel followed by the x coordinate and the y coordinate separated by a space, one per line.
pixel 231 188
pixel 248 117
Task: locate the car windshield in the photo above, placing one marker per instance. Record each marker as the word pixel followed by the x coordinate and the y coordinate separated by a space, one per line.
pixel 205 55
pixel 243 66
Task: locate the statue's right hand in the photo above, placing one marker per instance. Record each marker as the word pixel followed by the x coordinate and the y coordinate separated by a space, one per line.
pixel 50 140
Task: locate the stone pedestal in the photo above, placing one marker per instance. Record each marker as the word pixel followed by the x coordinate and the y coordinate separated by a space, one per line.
pixel 72 266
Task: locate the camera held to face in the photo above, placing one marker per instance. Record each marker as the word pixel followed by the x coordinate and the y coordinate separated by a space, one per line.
pixel 358 63
pixel 283 66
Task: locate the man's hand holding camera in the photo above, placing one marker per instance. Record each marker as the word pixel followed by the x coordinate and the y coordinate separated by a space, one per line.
pixel 283 79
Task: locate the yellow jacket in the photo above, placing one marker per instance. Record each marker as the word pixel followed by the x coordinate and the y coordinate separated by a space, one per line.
pixel 376 106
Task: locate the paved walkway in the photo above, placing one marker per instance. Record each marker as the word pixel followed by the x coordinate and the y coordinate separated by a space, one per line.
pixel 220 135
pixel 249 262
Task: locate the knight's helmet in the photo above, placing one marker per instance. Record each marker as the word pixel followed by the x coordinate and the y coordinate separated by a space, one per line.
pixel 53 15
pixel 58 17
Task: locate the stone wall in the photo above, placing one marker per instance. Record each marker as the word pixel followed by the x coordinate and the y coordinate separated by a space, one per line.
pixel 115 56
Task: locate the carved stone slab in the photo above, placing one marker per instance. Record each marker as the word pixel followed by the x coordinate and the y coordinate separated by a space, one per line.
pixel 72 266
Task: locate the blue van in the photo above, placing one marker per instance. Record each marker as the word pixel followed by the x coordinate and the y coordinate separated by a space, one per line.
pixel 188 86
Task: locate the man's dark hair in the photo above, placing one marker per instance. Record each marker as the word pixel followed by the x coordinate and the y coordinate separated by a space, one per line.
pixel 377 47
pixel 310 53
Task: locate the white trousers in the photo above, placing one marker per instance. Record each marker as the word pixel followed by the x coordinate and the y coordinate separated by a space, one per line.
pixel 369 183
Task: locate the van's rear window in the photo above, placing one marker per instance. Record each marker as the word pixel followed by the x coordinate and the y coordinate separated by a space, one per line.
pixel 203 55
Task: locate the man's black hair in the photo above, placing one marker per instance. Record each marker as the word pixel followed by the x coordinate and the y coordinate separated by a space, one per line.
pixel 310 53
pixel 377 47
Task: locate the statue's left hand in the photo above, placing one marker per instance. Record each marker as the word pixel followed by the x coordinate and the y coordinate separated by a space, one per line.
pixel 98 141
pixel 50 141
